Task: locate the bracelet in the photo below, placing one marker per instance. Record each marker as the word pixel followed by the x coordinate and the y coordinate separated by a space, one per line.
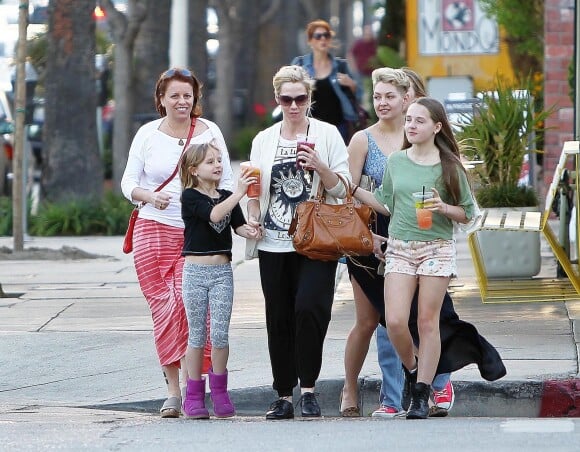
pixel 446 205
pixel 355 189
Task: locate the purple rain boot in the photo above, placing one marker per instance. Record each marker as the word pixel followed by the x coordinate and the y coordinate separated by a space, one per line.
pixel 218 385
pixel 194 402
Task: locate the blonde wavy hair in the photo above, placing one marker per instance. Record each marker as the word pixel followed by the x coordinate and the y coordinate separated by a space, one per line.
pixel 292 74
pixel 396 77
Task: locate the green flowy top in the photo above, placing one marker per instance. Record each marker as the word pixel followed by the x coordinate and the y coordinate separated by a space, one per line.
pixel 404 177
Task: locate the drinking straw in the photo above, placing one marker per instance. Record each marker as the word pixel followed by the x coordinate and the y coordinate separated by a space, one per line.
pixel 423 198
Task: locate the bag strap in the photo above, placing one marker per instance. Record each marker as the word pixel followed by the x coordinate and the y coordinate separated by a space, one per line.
pixel 189 135
pixel 320 192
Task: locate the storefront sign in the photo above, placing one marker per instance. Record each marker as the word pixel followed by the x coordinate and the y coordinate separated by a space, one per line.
pixel 448 27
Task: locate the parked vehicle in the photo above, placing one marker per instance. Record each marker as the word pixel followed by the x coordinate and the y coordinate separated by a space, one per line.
pixel 6 145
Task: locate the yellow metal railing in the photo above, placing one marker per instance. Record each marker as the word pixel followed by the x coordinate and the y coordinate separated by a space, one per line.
pixel 532 289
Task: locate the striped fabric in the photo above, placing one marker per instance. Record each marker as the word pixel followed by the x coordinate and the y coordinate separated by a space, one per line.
pixel 159 265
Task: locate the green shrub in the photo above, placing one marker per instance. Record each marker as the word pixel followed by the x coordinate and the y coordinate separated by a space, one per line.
pixel 5 216
pixel 500 134
pixel 387 57
pixel 108 216
pixel 241 144
pixel 506 196
pixel 116 210
pixel 67 218
pixel 572 79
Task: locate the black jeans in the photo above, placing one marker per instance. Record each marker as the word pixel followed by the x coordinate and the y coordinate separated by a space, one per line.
pixel 299 293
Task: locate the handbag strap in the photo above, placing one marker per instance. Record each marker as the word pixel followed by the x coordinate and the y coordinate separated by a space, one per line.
pixel 320 192
pixel 189 135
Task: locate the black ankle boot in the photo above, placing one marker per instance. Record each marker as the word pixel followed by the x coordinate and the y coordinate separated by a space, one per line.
pixel 410 380
pixel 419 408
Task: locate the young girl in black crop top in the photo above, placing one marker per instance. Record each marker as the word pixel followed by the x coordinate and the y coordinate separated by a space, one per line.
pixel 208 214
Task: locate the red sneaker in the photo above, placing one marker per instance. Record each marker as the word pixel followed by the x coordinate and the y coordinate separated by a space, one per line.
pixel 387 412
pixel 445 398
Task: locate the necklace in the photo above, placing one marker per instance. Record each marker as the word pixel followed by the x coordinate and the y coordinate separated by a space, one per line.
pixel 177 135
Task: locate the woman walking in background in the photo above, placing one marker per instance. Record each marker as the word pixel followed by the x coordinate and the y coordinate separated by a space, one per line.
pixel 158 235
pixel 330 100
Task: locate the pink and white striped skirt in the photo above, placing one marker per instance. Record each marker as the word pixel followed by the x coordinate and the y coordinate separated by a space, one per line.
pixel 157 254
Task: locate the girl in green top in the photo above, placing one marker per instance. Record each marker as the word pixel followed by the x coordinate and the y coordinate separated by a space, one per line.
pixel 425 257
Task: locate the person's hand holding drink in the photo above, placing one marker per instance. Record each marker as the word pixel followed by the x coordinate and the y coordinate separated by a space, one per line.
pixel 253 171
pixel 422 203
pixel 303 140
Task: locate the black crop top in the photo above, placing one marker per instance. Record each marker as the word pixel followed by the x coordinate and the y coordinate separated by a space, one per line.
pixel 201 236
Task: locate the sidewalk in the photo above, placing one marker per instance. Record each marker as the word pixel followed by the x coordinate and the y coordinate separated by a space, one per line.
pixel 78 333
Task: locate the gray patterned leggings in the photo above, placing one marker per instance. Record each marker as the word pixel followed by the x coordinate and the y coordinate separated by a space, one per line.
pixel 203 286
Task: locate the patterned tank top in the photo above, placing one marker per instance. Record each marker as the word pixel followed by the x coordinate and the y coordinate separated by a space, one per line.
pixel 376 161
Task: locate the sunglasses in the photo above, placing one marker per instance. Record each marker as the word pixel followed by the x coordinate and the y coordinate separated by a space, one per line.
pixel 171 72
pixel 286 101
pixel 319 36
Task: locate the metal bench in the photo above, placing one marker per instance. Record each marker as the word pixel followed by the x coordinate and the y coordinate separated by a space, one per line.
pixel 530 289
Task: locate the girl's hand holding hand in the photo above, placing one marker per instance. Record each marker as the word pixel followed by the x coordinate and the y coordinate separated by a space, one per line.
pixel 257 228
pixel 250 232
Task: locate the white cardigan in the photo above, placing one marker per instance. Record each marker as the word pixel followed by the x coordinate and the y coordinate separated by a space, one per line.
pixel 331 149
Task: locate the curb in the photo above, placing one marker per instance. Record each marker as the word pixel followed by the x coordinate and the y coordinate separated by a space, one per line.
pixel 552 398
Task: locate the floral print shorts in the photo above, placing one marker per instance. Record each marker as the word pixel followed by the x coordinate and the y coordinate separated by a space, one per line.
pixel 432 258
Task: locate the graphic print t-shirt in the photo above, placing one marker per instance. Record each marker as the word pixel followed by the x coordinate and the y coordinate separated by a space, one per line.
pixel 289 186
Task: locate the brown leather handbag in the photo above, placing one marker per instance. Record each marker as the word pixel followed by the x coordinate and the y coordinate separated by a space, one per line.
pixel 326 232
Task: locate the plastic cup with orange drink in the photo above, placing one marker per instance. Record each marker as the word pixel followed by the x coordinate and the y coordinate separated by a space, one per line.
pixel 253 189
pixel 424 216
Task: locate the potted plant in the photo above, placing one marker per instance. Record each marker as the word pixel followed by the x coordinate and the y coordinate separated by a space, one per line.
pixel 501 133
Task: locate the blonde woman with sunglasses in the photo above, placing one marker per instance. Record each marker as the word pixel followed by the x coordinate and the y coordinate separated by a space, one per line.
pixel 158 236
pixel 298 291
pixel 332 76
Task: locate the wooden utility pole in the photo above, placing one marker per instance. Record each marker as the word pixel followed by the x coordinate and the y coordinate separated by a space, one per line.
pixel 18 198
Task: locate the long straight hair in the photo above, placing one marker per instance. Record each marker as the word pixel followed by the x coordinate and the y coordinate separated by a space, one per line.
pixel 447 145
pixel 192 158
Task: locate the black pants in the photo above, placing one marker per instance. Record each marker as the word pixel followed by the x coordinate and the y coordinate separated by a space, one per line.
pixel 299 293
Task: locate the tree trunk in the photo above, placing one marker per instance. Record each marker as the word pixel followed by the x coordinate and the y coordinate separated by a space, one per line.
pixel 123 126
pixel 124 29
pixel 245 73
pixel 151 56
pixel 197 50
pixel 73 166
pixel 225 66
pixel 235 30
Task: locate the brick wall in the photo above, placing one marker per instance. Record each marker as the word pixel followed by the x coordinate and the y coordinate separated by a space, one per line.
pixel 558 51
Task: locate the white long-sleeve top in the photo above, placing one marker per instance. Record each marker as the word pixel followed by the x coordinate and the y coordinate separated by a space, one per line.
pixel 153 157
